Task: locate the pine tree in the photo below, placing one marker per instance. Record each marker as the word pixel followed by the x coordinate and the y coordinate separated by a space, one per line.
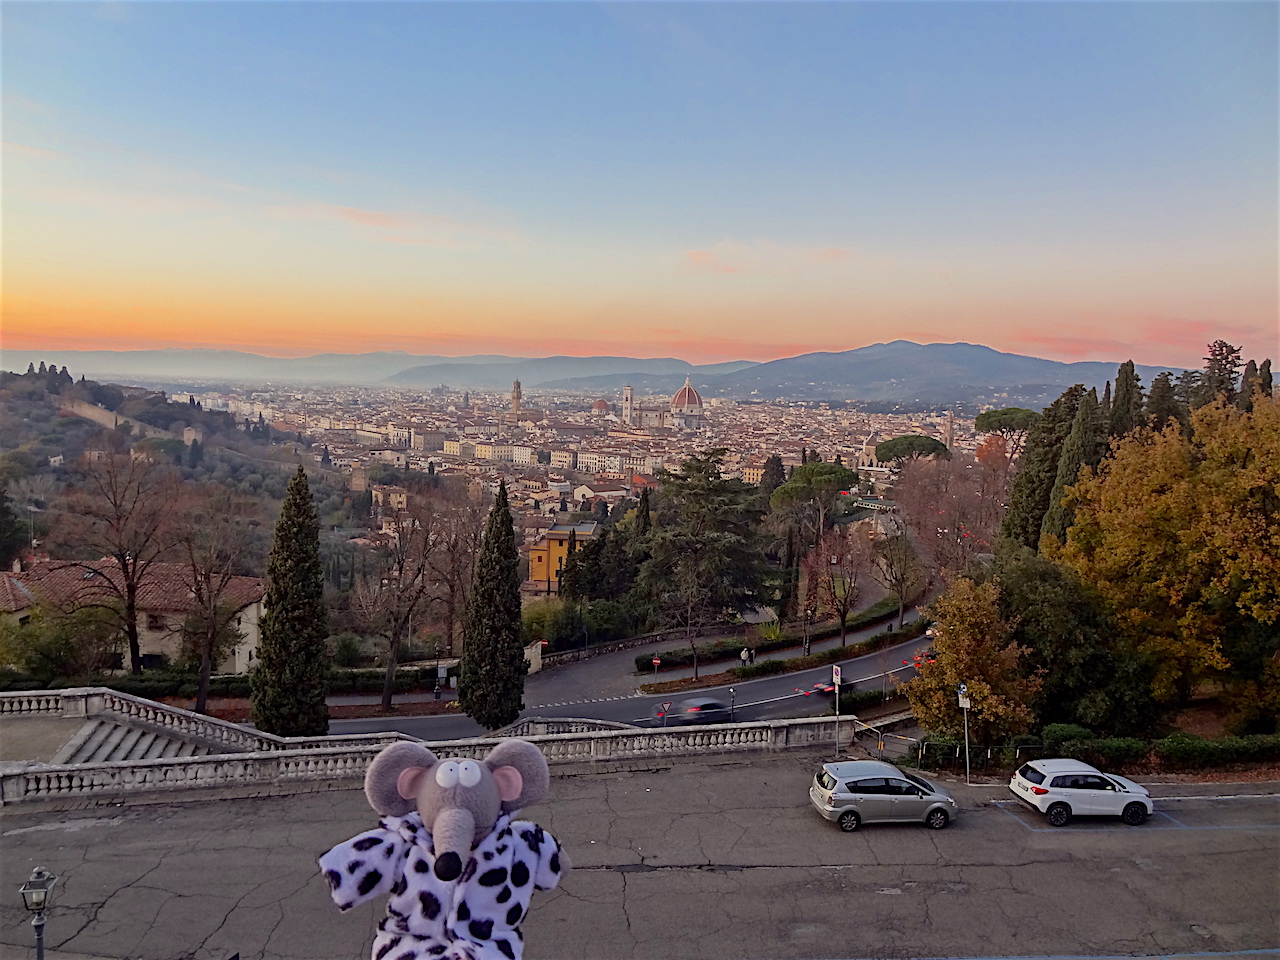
pixel 289 683
pixel 1083 447
pixel 1221 372
pixel 1032 487
pixel 1126 408
pixel 491 678
pixel 1162 404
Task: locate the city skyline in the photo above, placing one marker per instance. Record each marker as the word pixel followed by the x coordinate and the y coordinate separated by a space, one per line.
pixel 706 181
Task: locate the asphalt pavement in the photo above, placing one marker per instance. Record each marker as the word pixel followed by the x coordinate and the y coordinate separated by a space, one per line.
pixel 716 859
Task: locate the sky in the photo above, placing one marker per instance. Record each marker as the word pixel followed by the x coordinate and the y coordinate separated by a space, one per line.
pixel 708 181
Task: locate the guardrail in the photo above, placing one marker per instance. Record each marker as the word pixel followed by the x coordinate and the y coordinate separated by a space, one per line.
pixel 289 770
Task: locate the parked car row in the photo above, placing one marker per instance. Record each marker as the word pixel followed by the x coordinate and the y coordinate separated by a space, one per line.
pixel 856 792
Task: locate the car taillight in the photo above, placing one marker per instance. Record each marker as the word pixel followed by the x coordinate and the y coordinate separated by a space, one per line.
pixel 694 709
pixel 1039 791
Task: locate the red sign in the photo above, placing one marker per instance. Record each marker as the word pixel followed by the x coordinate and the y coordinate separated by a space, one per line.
pixel 544 642
pixel 656 661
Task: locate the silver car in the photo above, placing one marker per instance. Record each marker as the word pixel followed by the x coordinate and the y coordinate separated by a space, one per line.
pixel 854 792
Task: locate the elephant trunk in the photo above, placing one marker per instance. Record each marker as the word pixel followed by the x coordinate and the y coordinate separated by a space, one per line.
pixel 452 833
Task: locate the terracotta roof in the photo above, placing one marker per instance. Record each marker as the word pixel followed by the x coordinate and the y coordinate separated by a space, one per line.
pixel 686 396
pixel 13 595
pixel 163 586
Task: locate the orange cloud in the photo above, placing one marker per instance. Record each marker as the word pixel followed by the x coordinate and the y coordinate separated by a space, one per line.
pixel 706 260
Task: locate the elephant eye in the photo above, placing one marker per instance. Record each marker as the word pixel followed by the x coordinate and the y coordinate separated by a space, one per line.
pixel 447 774
pixel 468 773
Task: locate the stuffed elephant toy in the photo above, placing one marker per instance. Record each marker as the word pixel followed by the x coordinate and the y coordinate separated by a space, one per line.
pixel 460 872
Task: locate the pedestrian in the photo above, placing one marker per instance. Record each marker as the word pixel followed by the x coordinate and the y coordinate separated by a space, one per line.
pixel 751 654
pixel 744 656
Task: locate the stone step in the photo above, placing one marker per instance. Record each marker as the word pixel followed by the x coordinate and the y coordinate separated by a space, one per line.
pixel 123 750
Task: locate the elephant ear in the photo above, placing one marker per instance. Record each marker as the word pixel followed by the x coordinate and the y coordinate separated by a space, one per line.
pixel 381 779
pixel 529 763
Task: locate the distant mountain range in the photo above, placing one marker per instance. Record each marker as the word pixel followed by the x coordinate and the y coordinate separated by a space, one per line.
pixel 898 374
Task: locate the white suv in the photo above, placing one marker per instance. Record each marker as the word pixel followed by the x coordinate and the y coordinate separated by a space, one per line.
pixel 1061 789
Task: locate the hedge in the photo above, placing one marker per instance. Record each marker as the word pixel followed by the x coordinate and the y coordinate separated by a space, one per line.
pixel 1189 750
pixel 767 668
pixel 731 648
pixel 1106 752
pixel 157 685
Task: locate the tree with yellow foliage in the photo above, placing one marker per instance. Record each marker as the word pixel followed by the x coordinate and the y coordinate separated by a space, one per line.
pixel 972 645
pixel 1180 533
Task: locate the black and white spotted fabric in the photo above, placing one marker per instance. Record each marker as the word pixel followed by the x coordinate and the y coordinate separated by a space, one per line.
pixel 475 917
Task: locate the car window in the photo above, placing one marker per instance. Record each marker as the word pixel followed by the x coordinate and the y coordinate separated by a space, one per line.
pixel 901 788
pixel 921 782
pixel 1095 783
pixel 1064 783
pixel 826 781
pixel 873 786
pixel 1031 774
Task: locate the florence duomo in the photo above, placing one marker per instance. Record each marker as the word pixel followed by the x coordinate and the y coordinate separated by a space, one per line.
pixel 684 412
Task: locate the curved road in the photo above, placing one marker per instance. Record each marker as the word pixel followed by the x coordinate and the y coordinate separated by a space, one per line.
pixel 766 698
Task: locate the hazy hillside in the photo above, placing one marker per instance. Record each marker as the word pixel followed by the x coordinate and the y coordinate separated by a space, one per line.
pixel 551 372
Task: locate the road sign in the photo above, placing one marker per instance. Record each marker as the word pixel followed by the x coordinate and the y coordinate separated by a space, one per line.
pixel 965 702
pixel 666 706
pixel 835 675
pixel 656 661
pixel 964 689
pixel 544 642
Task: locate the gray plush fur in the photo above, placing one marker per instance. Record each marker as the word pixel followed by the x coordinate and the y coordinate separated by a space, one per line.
pixel 380 778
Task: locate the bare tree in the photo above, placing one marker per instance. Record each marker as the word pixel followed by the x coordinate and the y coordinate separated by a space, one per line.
pixel 459 524
pixel 400 586
pixel 836 566
pixel 953 507
pixel 219 533
pixel 121 508
pixel 896 568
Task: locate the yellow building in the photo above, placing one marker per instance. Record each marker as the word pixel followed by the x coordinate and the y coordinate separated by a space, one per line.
pixel 547 556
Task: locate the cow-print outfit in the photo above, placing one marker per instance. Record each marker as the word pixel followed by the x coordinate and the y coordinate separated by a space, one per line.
pixel 475 917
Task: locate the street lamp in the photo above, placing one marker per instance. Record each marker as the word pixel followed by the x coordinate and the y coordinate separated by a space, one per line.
pixel 808 618
pixel 36 893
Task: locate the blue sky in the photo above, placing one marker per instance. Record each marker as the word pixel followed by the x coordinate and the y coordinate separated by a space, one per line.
pixel 711 180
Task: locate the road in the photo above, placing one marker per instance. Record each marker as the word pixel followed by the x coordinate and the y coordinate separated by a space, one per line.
pixel 767 698
pixel 717 859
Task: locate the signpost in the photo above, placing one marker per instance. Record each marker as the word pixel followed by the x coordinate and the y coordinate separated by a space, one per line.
pixel 835 682
pixel 965 703
pixel 731 704
pixel 656 661
pixel 666 708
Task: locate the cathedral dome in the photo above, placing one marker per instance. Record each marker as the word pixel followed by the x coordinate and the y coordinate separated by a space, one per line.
pixel 600 406
pixel 686 398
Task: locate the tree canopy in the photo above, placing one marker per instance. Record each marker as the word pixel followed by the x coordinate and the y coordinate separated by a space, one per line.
pixel 910 447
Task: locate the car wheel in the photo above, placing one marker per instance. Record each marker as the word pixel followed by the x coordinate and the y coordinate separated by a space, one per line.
pixel 1059 815
pixel 1135 814
pixel 849 821
pixel 937 819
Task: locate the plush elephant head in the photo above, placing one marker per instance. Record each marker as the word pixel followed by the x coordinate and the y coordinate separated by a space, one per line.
pixel 459 800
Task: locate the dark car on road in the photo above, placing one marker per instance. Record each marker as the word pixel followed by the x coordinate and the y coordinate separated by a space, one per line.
pixel 692 710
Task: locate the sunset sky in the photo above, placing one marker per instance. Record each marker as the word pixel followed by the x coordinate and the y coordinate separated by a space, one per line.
pixel 708 181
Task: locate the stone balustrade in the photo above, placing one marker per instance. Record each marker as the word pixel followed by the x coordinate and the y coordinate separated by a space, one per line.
pixel 282 770
pixel 32 704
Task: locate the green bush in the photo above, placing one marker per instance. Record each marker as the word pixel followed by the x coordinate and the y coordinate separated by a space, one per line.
pixel 1056 734
pixel 854 700
pixel 1193 752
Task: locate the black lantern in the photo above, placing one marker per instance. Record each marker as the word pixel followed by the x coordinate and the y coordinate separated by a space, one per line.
pixel 36 893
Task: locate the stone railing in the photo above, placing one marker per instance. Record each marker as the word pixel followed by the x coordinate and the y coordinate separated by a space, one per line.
pixel 99 701
pixel 539 726
pixel 285 771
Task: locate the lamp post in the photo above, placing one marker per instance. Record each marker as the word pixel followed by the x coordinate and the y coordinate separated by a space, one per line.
pixel 808 618
pixel 36 893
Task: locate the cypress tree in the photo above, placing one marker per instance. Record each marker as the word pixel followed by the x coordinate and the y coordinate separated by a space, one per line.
pixel 491 675
pixel 289 683
pixel 1162 405
pixel 1104 408
pixel 1126 408
pixel 1264 378
pixel 1248 384
pixel 771 477
pixel 1032 487
pixel 1081 448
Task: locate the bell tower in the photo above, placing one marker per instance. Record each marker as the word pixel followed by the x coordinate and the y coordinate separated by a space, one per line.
pixel 628 405
pixel 516 395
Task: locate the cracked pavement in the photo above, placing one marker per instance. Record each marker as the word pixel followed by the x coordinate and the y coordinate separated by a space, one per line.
pixel 717 859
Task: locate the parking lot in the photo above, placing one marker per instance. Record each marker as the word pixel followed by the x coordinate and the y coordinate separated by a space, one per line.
pixel 721 859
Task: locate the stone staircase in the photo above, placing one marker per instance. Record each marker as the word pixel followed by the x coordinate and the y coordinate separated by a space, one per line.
pixel 107 738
